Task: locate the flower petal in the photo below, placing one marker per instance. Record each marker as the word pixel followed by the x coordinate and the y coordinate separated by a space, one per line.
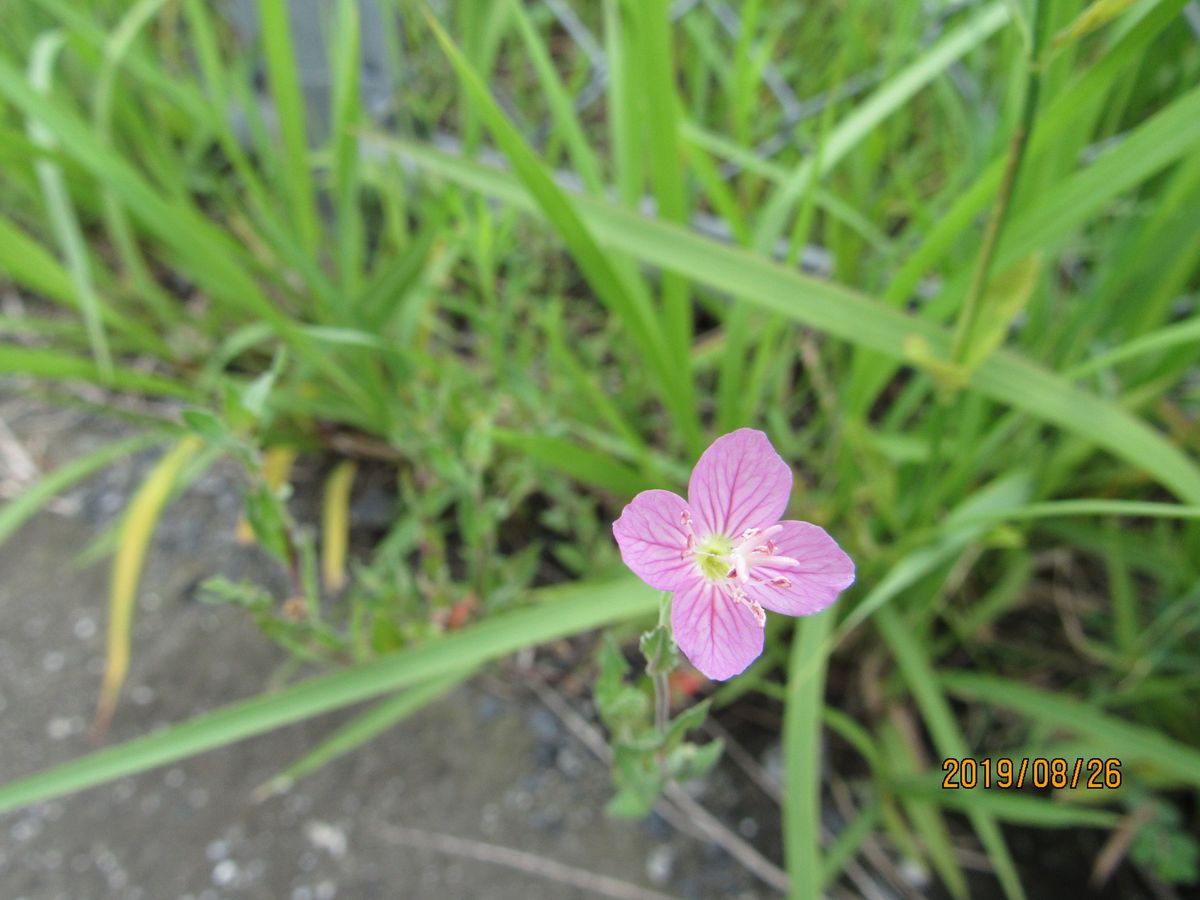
pixel 652 539
pixel 825 571
pixel 718 635
pixel 739 482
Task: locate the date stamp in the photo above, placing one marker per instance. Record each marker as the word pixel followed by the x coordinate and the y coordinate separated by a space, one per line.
pixel 967 773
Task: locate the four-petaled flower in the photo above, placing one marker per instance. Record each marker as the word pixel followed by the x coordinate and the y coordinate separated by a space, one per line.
pixel 726 556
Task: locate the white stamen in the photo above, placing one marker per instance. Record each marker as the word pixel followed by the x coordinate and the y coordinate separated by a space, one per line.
pixel 739 596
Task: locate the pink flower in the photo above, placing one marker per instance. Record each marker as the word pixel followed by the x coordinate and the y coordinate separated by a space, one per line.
pixel 726 556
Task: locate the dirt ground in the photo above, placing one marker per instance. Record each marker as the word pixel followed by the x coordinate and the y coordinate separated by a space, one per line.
pixel 488 763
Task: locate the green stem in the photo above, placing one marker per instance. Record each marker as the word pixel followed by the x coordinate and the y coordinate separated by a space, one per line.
pixel 662 688
pixel 995 225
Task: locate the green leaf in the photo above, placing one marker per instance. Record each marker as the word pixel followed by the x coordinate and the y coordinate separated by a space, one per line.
pixel 581 463
pixel 558 612
pixel 690 761
pixel 689 720
pixel 206 424
pixel 1097 15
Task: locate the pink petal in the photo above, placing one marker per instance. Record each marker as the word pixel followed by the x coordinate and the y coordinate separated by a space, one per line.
pixel 825 571
pixel 652 538
pixel 739 482
pixel 718 635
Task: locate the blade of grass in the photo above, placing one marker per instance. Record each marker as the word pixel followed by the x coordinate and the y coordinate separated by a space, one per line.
pixel 557 612
pixel 28 264
pixel 116 48
pixel 335 525
pixel 623 107
pixel 581 463
pixel 283 77
pixel 802 755
pixel 345 116
pixel 915 667
pixel 1131 743
pixel 51 365
pixel 927 820
pixel 665 162
pixel 62 213
pixel 361 729
pixel 137 529
pixel 1007 805
pixel 583 157
pixel 17 511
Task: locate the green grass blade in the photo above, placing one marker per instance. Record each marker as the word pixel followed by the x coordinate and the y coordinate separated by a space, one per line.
pixel 116 50
pixel 345 116
pixel 283 77
pixel 665 161
pixel 623 109
pixel 53 365
pixel 27 263
pixel 62 212
pixel 914 665
pixel 362 728
pixel 583 157
pixel 558 613
pixel 17 511
pixel 1007 805
pixel 581 463
pixel 1131 743
pixel 802 755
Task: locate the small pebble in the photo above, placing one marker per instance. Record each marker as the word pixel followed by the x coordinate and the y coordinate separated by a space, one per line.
pixel 85 628
pixel 660 864
pixel 225 873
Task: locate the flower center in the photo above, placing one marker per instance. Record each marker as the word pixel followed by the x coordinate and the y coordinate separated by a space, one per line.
pixel 712 557
pixel 722 559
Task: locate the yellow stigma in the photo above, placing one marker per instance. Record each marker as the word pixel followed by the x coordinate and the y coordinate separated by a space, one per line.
pixel 712 557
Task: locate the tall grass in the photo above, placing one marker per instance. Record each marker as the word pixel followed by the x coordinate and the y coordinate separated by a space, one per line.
pixel 947 260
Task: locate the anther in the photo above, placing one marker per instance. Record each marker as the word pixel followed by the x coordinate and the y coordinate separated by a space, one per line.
pixel 690 548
